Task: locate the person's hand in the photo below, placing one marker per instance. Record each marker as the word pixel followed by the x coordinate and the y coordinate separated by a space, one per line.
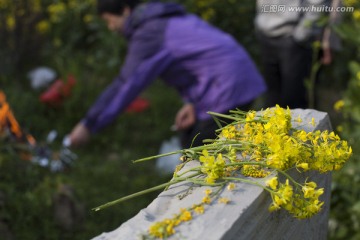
pixel 185 117
pixel 79 136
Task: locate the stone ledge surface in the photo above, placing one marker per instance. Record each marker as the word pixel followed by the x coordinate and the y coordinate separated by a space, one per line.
pixel 245 217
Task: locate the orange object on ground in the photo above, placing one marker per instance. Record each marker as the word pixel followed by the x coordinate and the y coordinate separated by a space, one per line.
pixel 8 121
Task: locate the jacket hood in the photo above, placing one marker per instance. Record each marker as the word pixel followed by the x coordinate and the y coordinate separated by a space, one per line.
pixel 151 10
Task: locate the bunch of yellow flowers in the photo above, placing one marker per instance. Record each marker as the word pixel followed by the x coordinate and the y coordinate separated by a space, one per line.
pixel 257 145
pixel 265 143
pixel 270 139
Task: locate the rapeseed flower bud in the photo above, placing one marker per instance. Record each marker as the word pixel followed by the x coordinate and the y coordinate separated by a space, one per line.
pixel 231 186
pixel 272 183
pixel 224 200
pixel 199 209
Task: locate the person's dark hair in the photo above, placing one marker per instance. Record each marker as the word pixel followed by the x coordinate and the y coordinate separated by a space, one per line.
pixel 115 6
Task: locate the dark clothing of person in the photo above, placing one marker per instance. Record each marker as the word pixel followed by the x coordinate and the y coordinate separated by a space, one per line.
pixel 286 30
pixel 286 65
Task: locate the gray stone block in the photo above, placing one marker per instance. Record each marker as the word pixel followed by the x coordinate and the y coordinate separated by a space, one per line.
pixel 245 217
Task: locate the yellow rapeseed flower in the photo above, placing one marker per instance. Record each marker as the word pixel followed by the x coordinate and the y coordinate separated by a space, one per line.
pixel 185 216
pixel 340 128
pixel 339 105
pixel 10 23
pixel 283 194
pixel 308 191
pixel 72 3
pixel 316 44
pixel 88 18
pixel 56 10
pixel 208 192
pixel 313 122
pixel 43 26
pixel 250 116
pixel 272 183
pixel 4 4
pixel 206 200
pixel 57 42
pixel 356 15
pixel 349 3
pixel 304 166
pixel 213 168
pixel 231 186
pixel 36 5
pixel 229 132
pixel 157 230
pixel 208 14
pixel 199 209
pixel 301 135
pixel 273 207
pixel 254 171
pixel 224 200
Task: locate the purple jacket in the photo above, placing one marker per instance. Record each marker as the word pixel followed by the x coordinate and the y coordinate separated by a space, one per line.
pixel 207 66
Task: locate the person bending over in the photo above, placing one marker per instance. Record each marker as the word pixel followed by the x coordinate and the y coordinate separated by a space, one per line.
pixel 209 69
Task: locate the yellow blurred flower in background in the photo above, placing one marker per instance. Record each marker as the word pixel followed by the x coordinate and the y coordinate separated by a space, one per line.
pixel 56 10
pixel 339 105
pixel 356 15
pixel 10 23
pixel 43 26
pixel 349 3
pixel 4 4
pixel 88 18
pixel 36 5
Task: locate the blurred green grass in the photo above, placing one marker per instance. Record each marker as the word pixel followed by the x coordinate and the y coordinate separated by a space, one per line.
pixel 103 171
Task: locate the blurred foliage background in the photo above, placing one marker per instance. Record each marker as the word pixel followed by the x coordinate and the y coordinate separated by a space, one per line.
pixel 67 36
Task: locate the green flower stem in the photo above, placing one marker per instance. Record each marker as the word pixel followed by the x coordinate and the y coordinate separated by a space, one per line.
pixel 235 118
pixel 161 186
pixel 247 163
pixel 239 112
pixel 190 170
pixel 232 143
pixel 157 156
pixel 203 183
pixel 215 194
pixel 224 116
pixel 289 177
pixel 184 151
pixel 188 177
pixel 248 181
pixel 106 205
pixel 179 179
pixel 213 146
pixel 209 141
